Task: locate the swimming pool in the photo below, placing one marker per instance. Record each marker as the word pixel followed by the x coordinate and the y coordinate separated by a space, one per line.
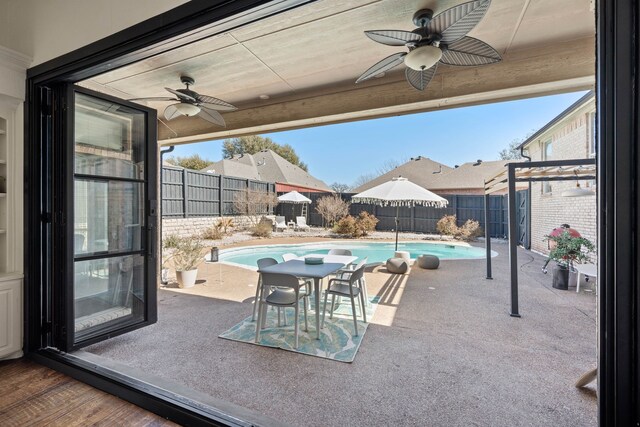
pixel 375 251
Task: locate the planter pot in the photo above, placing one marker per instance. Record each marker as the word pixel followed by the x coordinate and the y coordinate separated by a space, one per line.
pixel 561 277
pixel 187 279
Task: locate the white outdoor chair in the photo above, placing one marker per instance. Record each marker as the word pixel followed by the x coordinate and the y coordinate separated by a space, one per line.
pixel 282 291
pixel 262 263
pixel 281 223
pixel 301 223
pixel 349 288
pixel 308 282
pixel 345 273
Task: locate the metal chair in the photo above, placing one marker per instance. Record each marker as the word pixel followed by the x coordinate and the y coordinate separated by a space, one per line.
pixel 347 288
pixel 346 252
pixel 283 290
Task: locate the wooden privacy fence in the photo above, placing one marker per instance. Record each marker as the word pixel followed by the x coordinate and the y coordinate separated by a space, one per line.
pixel 188 193
pixel 420 218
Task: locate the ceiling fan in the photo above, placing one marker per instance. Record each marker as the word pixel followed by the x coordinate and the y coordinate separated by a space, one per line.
pixel 440 38
pixel 191 103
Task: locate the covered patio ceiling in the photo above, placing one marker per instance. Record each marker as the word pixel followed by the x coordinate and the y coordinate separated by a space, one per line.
pixel 306 61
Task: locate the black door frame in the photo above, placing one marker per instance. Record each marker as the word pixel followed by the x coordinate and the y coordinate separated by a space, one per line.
pixel 45 121
pixel 617 98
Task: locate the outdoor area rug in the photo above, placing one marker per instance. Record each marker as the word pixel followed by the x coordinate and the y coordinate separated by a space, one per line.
pixel 337 340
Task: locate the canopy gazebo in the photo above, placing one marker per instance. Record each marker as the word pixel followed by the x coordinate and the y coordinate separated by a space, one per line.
pixel 514 173
pixel 399 192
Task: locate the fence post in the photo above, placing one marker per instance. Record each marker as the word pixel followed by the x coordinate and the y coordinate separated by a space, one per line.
pixel 413 219
pixel 185 202
pixel 220 195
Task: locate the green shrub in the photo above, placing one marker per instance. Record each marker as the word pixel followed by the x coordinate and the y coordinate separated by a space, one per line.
pixel 262 229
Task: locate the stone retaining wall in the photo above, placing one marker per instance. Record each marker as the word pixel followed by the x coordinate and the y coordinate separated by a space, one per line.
pixel 185 227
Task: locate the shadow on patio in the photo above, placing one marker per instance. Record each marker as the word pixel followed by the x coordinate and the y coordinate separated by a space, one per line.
pixel 440 350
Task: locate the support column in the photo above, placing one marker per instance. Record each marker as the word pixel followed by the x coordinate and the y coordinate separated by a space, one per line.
pixel 487 234
pixel 513 240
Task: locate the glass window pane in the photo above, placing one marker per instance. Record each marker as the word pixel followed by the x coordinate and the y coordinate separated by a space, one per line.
pixel 108 217
pixel 109 138
pixel 108 292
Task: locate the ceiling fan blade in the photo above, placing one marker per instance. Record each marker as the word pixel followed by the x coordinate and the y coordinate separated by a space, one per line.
pixel 420 79
pixel 154 98
pixel 171 112
pixel 181 95
pixel 393 37
pixel 215 103
pixel 456 22
pixel 469 52
pixel 212 116
pixel 380 67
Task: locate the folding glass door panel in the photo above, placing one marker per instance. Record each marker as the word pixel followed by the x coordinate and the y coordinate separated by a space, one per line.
pixel 114 220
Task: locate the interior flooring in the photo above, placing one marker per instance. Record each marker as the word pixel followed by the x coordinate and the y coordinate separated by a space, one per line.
pixel 33 395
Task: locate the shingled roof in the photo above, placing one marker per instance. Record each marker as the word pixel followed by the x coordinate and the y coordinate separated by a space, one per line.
pixel 467 176
pixel 419 170
pixel 269 166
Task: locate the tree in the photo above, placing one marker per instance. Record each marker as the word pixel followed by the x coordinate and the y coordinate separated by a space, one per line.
pixel 340 187
pixel 363 179
pixel 256 143
pixel 512 152
pixel 190 162
pixel 332 208
pixel 254 204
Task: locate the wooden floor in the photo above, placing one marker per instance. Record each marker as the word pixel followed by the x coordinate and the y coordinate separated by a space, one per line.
pixel 31 394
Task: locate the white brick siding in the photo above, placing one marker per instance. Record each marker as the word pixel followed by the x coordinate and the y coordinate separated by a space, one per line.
pixel 570 141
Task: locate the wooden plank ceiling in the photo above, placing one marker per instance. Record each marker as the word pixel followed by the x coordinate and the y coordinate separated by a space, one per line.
pixel 306 61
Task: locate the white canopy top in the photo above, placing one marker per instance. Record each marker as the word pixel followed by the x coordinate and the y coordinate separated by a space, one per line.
pixel 293 197
pixel 400 192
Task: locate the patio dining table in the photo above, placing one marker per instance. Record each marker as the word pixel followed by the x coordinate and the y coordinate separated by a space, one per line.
pixel 297 267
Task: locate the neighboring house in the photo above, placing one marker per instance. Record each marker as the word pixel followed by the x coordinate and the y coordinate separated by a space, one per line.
pixel 269 166
pixel 419 170
pixel 571 135
pixel 466 179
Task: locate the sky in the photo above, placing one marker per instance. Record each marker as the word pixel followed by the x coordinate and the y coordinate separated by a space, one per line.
pixel 343 152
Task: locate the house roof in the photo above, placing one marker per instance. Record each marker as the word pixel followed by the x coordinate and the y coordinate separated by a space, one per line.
pixel 419 170
pixel 572 108
pixel 468 176
pixel 267 165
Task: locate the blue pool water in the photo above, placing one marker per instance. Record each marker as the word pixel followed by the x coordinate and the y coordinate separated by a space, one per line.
pixel 375 251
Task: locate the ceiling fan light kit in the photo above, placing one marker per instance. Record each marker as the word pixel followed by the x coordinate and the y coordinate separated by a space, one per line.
pixel 423 57
pixel 440 38
pixel 187 109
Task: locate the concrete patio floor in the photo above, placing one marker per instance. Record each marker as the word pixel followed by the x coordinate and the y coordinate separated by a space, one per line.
pixel 440 350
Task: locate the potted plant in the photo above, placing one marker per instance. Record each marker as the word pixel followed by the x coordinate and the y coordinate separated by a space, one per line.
pixel 169 244
pixel 567 250
pixel 187 255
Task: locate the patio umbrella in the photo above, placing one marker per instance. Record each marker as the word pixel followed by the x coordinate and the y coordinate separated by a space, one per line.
pixel 296 198
pixel 399 192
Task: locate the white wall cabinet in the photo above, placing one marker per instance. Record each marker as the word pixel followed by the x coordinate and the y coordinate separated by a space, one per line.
pixel 10 316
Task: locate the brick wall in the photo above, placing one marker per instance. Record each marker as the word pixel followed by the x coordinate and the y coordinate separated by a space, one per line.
pixel 549 210
pixel 195 226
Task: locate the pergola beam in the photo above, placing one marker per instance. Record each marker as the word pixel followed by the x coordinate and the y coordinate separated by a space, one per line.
pixel 539 171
